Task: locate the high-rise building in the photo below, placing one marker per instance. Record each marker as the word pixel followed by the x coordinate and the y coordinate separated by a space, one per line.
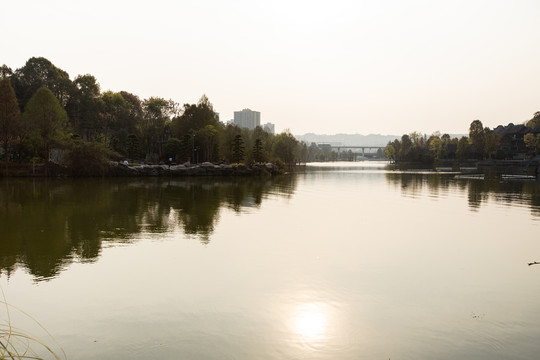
pixel 269 127
pixel 247 119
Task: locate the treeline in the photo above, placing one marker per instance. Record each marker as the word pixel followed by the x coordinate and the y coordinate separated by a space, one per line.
pixel 324 152
pixel 189 206
pixel 482 143
pixel 43 109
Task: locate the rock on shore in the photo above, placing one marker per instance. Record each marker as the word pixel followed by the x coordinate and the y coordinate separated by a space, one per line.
pixel 204 169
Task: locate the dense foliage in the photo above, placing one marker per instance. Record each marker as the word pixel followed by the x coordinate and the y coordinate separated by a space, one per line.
pixel 9 117
pixel 42 109
pixel 504 142
pixel 76 116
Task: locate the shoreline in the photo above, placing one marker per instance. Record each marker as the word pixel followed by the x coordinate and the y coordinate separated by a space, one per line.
pixel 117 169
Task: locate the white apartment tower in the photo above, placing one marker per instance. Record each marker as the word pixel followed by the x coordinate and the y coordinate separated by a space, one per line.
pixel 269 127
pixel 247 119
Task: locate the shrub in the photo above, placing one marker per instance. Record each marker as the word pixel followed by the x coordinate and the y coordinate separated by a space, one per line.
pixel 89 159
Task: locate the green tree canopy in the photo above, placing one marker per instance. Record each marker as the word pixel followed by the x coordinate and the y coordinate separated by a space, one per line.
pixel 195 117
pixel 530 141
pixel 258 151
pixel 405 148
pixel 156 116
pixel 477 137
pixel 39 72
pixel 462 147
pixel 84 106
pixel 237 149
pixel 285 147
pixel 172 148
pixel 390 152
pixel 9 116
pixel 535 121
pixel 436 146
pixel 46 121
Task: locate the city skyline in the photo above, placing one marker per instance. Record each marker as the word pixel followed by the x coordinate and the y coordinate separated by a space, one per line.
pixel 371 67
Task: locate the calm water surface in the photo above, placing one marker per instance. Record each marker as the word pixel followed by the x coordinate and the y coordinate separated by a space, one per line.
pixel 344 261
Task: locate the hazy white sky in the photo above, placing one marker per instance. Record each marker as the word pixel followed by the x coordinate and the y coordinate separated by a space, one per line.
pixel 388 67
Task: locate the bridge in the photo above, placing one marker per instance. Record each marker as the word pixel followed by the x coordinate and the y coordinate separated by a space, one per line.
pixel 339 147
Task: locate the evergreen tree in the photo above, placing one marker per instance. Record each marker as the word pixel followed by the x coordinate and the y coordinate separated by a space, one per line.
pixel 237 149
pixel 258 152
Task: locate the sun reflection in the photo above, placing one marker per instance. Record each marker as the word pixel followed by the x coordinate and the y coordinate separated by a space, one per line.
pixel 310 321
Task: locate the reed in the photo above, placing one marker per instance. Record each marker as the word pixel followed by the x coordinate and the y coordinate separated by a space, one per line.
pixel 17 344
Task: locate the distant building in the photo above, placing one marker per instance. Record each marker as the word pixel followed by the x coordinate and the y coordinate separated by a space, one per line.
pixel 269 127
pixel 247 119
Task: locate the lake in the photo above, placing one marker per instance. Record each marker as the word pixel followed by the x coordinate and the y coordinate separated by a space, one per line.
pixel 342 261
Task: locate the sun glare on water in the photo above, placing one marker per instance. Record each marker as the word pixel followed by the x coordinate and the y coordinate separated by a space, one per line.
pixel 310 321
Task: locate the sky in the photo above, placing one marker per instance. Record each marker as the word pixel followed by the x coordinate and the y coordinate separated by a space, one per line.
pixel 366 67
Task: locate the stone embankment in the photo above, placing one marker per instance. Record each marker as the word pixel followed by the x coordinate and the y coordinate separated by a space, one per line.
pixel 204 169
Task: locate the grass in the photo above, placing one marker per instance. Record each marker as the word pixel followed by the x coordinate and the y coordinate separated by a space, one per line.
pixel 16 344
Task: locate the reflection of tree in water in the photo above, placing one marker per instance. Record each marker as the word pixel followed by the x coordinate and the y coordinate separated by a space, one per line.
pixel 478 191
pixel 412 184
pixel 47 224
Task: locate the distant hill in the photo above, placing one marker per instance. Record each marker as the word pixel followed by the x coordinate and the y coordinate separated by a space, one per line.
pixel 354 139
pixel 348 139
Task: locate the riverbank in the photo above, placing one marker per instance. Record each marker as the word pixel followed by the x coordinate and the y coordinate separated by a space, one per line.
pixel 530 167
pixel 117 169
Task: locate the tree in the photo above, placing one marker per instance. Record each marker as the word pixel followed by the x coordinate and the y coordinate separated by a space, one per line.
pixel 535 121
pixel 313 152
pixel 133 147
pixel 85 106
pixel 417 139
pixel 39 72
pixel 113 118
pixel 208 138
pixel 195 117
pixel 156 116
pixel 390 152
pixel 226 138
pixel 237 149
pixel 285 147
pixel 6 71
pixel 477 137
pixel 172 148
pixel 46 121
pixel 436 147
pixel 405 148
pixel 491 141
pixel 9 116
pixel 462 147
pixel 530 141
pixel 258 151
pixel 88 158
